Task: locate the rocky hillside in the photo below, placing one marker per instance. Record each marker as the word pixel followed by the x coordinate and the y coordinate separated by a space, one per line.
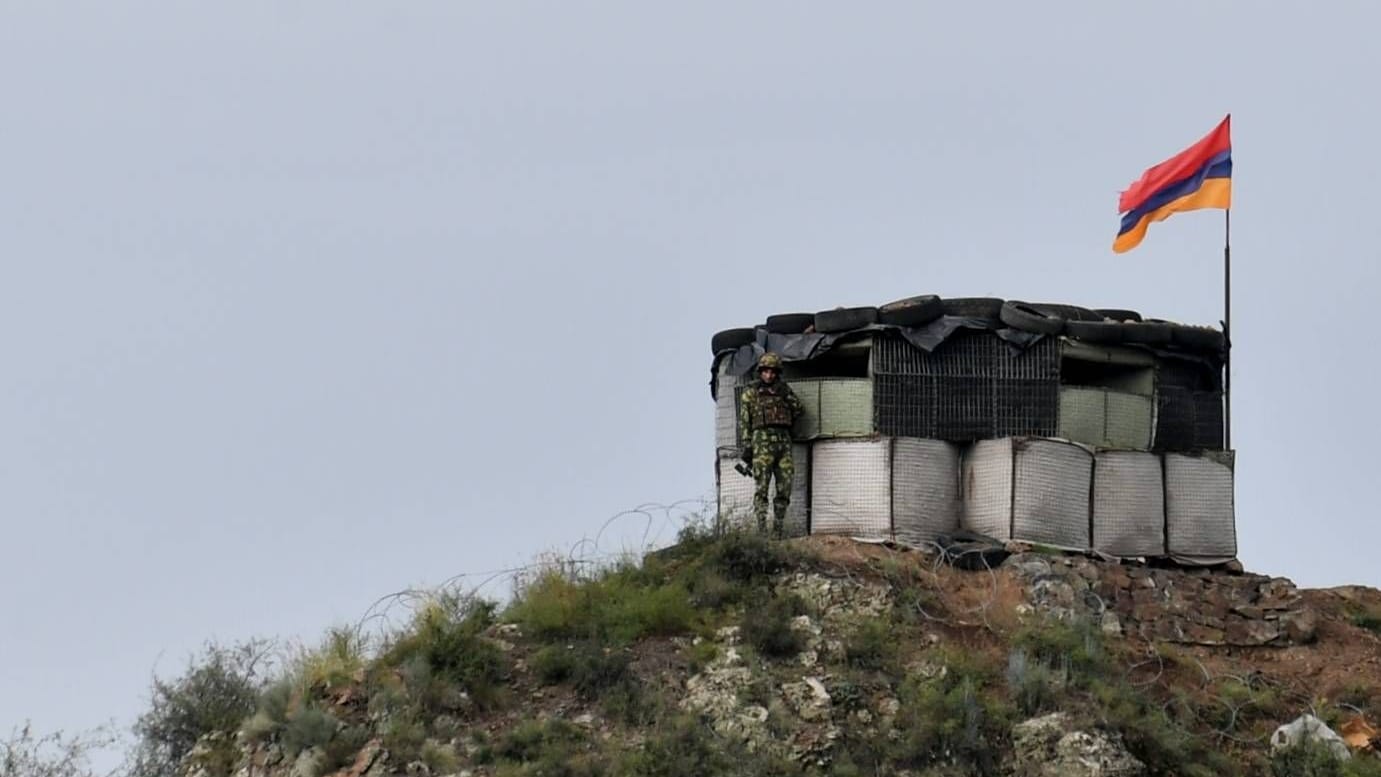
pixel 737 656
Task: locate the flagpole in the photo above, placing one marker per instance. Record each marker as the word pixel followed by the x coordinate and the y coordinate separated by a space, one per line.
pixel 1227 329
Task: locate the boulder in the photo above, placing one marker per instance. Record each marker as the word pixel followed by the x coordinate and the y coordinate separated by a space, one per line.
pixel 1050 746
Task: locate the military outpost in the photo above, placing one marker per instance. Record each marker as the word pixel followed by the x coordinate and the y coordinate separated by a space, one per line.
pixel 1081 429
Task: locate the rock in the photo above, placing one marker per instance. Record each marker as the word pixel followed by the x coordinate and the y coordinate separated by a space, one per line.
pixel 1110 624
pixel 1241 631
pixel 754 713
pixel 308 763
pixel 1307 728
pixel 1048 746
pixel 889 707
pixel 809 699
pixel 1301 626
pixel 926 669
pixel 714 693
pixel 729 635
pixel 584 719
pixel 508 631
pixel 1029 567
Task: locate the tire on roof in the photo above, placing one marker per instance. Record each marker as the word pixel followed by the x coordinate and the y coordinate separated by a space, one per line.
pixel 973 307
pixel 844 319
pixel 1105 332
pixel 732 338
pixel 1068 312
pixel 1199 338
pixel 912 311
pixel 789 323
pixel 1146 332
pixel 1118 315
pixel 1031 318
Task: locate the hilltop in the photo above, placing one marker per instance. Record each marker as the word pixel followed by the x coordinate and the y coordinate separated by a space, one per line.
pixel 734 655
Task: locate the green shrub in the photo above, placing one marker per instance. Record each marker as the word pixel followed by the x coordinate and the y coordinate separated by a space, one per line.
pixel 1035 686
pixel 587 667
pixel 701 654
pixel 618 608
pixel 958 716
pixel 308 727
pixel 1367 620
pixel 336 663
pixel 1153 735
pixel 683 746
pixel 768 630
pixel 552 748
pixel 403 737
pixel 1075 649
pixel 445 648
pixel 712 590
pixel 870 646
pixel 747 556
pixel 440 758
pixel 218 691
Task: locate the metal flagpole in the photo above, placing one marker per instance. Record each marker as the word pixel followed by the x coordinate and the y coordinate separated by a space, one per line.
pixel 1227 329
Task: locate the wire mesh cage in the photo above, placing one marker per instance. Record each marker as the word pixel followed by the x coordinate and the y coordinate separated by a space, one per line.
pixel 1188 419
pixel 1128 504
pixel 974 386
pixel 850 488
pixel 1200 519
pixel 1029 489
pixel 925 489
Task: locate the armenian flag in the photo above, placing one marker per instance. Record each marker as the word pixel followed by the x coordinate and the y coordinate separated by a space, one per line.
pixel 1198 177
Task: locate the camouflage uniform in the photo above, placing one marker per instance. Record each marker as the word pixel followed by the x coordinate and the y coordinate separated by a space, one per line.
pixel 766 414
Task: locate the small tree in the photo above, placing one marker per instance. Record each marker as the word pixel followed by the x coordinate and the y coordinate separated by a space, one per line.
pixel 25 754
pixel 219 690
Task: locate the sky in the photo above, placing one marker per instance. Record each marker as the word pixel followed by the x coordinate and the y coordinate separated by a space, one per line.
pixel 304 304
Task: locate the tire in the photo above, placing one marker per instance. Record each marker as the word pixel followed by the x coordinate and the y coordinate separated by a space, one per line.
pixel 1118 315
pixel 844 319
pixel 973 307
pixel 1107 332
pixel 1068 312
pixel 1198 338
pixel 789 323
pixel 1029 318
pixel 912 311
pixel 732 338
pixel 1146 332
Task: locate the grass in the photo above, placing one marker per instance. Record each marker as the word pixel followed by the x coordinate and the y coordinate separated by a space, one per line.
pixel 445 649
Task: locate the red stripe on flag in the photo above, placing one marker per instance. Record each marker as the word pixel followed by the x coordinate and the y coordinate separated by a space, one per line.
pixel 1177 167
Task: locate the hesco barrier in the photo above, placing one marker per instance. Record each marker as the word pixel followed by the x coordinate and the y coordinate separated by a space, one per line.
pixel 925 490
pixel 1029 489
pixel 1053 492
pixel 1200 522
pixel 1128 504
pixel 851 488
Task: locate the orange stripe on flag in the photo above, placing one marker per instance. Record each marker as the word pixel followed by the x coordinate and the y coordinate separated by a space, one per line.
pixel 1214 193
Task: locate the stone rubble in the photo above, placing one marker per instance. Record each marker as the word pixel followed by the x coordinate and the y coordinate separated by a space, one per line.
pixel 1050 746
pixel 1167 605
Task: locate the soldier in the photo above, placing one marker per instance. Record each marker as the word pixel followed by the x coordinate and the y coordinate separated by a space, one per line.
pixel 767 410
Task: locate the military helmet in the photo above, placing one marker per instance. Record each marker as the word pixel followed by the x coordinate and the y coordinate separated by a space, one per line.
pixel 770 361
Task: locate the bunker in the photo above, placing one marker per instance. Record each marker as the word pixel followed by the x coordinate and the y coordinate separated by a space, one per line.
pixel 1082 429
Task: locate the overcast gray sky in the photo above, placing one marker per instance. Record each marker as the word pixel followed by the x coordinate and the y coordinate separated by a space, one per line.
pixel 305 303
